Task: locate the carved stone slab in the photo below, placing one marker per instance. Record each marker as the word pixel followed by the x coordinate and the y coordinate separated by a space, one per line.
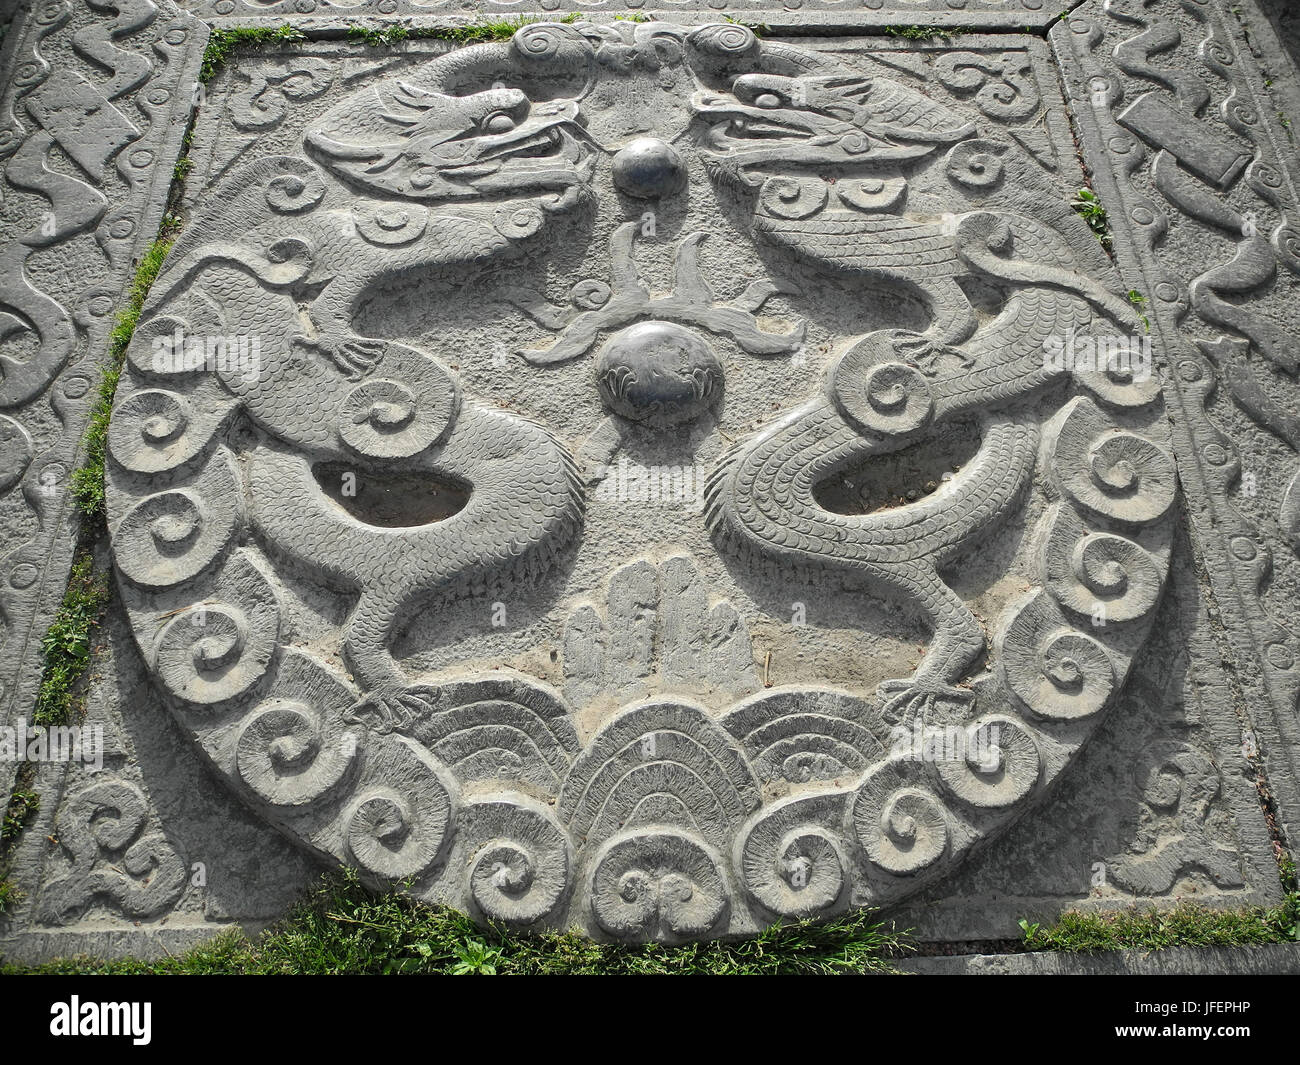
pixel 1195 150
pixel 779 15
pixel 94 107
pixel 660 480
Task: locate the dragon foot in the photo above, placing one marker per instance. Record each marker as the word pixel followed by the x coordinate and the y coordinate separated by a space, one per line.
pixel 354 356
pixel 923 351
pixel 390 709
pixel 904 698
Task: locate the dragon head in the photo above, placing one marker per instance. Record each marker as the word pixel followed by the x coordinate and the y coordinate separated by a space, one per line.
pixel 771 122
pixel 399 139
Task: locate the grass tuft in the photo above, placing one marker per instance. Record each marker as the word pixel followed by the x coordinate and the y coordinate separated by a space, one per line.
pixel 490 29
pixel 10 895
pixel 21 809
pixel 23 805
pixel 919 33
pixel 471 33
pixel 378 37
pixel 343 928
pixel 1089 208
pixel 758 29
pixel 1287 916
pixel 66 644
pixel 222 42
pixel 1186 925
pixel 1139 301
pixel 88 481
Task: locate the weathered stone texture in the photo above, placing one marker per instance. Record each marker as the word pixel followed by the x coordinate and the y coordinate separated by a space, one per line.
pixel 653 478
pixel 94 107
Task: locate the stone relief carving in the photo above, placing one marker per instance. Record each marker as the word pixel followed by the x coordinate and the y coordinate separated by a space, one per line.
pixel 98 96
pixel 658 622
pixel 665 817
pixel 1014 15
pixel 1170 98
pixel 1176 826
pixel 115 856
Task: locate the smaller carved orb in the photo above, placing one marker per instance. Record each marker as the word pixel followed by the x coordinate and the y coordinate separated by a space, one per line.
pixel 648 168
pixel 658 373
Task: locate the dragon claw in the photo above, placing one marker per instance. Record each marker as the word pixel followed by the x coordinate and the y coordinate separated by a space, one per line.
pixel 389 709
pixel 924 351
pixel 354 356
pixel 906 697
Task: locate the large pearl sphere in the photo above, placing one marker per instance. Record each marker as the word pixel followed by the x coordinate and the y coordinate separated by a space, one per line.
pixel 649 168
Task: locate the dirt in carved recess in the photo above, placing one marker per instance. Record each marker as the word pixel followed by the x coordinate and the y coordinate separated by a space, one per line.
pixel 885 481
pixel 391 500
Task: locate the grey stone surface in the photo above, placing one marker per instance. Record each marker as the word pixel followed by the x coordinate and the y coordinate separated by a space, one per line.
pixel 781 15
pixel 649 478
pixel 94 106
pixel 1282 959
pixel 1231 361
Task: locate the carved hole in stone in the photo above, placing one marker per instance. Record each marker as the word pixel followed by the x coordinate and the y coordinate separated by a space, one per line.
pixel 902 477
pixel 391 500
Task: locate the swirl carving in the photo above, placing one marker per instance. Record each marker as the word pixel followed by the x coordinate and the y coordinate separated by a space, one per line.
pixel 520 871
pixel 901 824
pixel 792 859
pixel 657 884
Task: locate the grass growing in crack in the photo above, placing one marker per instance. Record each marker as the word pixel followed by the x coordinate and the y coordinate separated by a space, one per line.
pixel 1139 301
pixel 88 481
pixel 66 644
pixel 344 928
pixel 22 807
pixel 758 29
pixel 223 42
pixel 472 33
pixel 490 30
pixel 376 38
pixel 1187 925
pixel 10 895
pixel 919 33
pixel 1089 208
pixel 1288 913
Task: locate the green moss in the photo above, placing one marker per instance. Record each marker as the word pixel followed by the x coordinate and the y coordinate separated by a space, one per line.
pixel 344 928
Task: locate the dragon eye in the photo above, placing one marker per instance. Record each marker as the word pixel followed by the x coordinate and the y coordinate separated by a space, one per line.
pixel 767 99
pixel 498 122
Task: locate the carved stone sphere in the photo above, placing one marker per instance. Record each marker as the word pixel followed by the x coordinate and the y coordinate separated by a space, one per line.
pixel 648 168
pixel 658 373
